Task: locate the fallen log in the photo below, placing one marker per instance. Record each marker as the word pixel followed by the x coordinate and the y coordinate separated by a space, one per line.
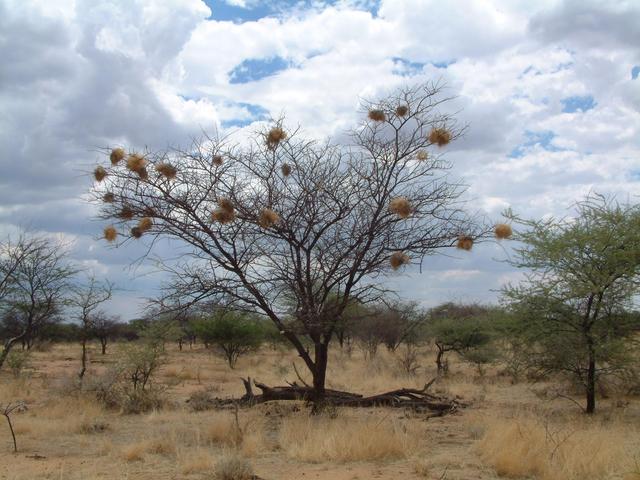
pixel 409 398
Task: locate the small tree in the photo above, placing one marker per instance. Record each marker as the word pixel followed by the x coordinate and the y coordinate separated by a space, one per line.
pixel 104 329
pixel 233 333
pixel 85 300
pixel 34 283
pixel 460 328
pixel 583 275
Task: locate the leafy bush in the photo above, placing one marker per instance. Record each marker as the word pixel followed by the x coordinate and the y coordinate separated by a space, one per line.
pixel 18 360
pixel 232 333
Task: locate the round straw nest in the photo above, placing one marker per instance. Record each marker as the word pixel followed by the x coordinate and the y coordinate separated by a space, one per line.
pixel 167 170
pixel 465 242
pixel 402 110
pixel 440 136
pixel 143 174
pixel 275 136
pixel 286 169
pixel 136 232
pixel 108 197
pixel 226 204
pixel 377 115
pixel 126 213
pixel 398 259
pixel 268 218
pixel 110 233
pixel 503 231
pixel 145 224
pixel 225 213
pixel 99 173
pixel 422 155
pixel 136 163
pixel 223 216
pixel 117 154
pixel 401 207
pixel 217 160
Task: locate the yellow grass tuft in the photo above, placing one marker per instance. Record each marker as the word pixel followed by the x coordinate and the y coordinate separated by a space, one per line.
pixel 110 234
pixel 402 110
pixel 398 259
pixel 464 242
pixel 440 136
pixel 422 155
pixel 377 115
pixel 136 163
pixel 232 466
pixel 268 218
pixel 117 154
pixel 99 173
pixel 275 136
pixel 503 231
pixel 524 447
pixel 167 170
pixel 358 439
pixel 401 207
pixel 286 169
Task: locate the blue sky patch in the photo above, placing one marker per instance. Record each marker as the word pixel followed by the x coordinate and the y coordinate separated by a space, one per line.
pixel 255 113
pixel 254 10
pixel 254 69
pixel 577 104
pixel 406 68
pixel 635 71
pixel 542 138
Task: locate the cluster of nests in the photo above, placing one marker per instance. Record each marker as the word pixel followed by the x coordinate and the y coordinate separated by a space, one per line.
pixel 402 207
pixel 225 213
pixel 437 136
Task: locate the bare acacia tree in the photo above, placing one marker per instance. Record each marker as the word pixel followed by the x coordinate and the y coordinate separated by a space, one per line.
pixel 104 328
pixel 85 300
pixel 288 218
pixel 36 286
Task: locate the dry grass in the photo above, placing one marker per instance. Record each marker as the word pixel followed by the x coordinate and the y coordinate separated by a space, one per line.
pixel 347 439
pixel 232 466
pixel 529 446
pixel 81 440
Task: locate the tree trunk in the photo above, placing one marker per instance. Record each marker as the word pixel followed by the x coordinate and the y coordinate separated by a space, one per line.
pixel 8 345
pixel 439 363
pixel 103 343
pixel 83 369
pixel 591 385
pixel 320 373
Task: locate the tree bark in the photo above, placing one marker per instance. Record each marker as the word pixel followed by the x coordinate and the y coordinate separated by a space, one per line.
pixel 83 369
pixel 591 385
pixel 8 345
pixel 320 371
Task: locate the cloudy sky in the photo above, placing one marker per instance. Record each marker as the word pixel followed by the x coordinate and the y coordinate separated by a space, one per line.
pixel 550 90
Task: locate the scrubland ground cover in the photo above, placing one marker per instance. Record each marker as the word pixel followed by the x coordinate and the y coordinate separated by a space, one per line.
pixel 521 430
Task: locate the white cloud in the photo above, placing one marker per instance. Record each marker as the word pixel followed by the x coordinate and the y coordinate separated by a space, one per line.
pixel 86 74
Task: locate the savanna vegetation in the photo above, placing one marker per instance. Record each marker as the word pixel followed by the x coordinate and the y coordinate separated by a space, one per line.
pixel 276 349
